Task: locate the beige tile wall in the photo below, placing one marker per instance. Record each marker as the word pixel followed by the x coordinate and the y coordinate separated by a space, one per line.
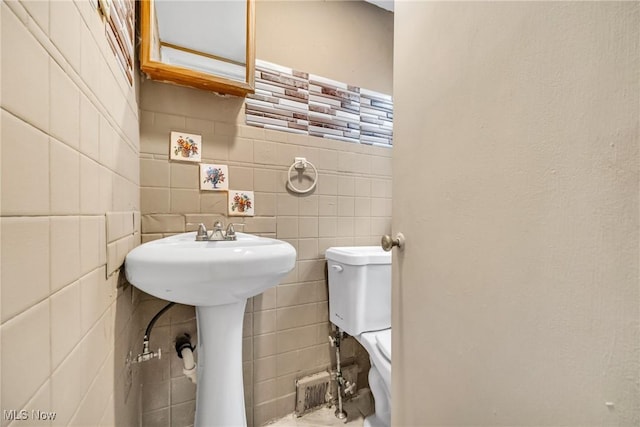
pixel 69 153
pixel 286 328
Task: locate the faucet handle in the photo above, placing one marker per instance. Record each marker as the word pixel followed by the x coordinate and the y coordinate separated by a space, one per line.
pixel 231 231
pixel 202 233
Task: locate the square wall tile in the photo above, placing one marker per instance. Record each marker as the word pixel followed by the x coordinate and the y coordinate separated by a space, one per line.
pixel 328 227
pixel 182 390
pixel 89 129
pixel 155 395
pixel 25 72
pixel 241 150
pixel 106 189
pixel 265 153
pixel 265 301
pixel 265 204
pixel 327 160
pixel 89 186
pixel 311 270
pixel 265 180
pixel 155 200
pixel 287 227
pixel 346 226
pixel 264 321
pixel 362 187
pixel 65 251
pixel 92 243
pixel 295 294
pixel 363 227
pixel 24 258
pixel 287 363
pixel 183 414
pixel 285 405
pixel 308 227
pixel 346 206
pixel 327 205
pixel 213 202
pixel 163 224
pixel 264 391
pixel 65 322
pixel 308 205
pixel 240 178
pixel 183 175
pixel 64 104
pixel 328 185
pixel 293 317
pixel 25 160
pixel 287 204
pixel 40 401
pixel 264 368
pixel 96 399
pixel 95 297
pixel 39 10
pixel 346 186
pixel 109 140
pixel 308 249
pixel 65 179
pixel 362 206
pixel 264 345
pixel 185 201
pixel 155 173
pixel 24 371
pixel 158 418
pixel 64 21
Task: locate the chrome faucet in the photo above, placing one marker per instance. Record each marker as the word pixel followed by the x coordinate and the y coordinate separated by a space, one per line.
pixel 217 234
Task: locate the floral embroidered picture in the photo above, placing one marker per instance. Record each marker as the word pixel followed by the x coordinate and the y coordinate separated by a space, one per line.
pixel 241 203
pixel 214 177
pixel 185 147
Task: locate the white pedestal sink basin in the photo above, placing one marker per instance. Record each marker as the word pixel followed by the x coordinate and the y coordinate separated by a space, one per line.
pixel 217 277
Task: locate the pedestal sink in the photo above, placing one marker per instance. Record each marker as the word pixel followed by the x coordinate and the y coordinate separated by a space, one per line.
pixel 217 277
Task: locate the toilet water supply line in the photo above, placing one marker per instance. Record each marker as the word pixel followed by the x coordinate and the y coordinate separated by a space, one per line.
pixel 343 386
pixel 184 348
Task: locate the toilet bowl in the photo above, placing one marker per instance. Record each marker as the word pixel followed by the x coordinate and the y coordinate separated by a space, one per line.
pixel 360 305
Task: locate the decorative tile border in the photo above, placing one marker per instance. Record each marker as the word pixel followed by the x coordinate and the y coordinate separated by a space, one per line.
pixel 281 99
pixel 333 109
pixel 294 101
pixel 376 118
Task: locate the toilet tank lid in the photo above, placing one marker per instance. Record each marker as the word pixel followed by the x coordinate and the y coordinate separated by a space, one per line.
pixel 358 255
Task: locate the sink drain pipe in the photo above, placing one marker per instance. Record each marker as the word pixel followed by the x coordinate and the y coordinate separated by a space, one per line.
pixel 184 348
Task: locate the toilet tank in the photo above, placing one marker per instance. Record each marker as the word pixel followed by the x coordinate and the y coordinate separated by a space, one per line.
pixel 359 288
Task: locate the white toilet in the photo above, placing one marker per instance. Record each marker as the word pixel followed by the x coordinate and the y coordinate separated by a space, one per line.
pixel 360 305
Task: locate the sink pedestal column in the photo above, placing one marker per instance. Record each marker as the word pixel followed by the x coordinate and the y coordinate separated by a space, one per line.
pixel 220 389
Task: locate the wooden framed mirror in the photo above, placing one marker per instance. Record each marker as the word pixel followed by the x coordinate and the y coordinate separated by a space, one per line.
pixel 203 44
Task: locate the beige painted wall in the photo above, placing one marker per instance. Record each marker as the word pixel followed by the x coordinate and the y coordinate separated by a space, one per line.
pixel 349 41
pixel 69 149
pixel 286 328
pixel 516 301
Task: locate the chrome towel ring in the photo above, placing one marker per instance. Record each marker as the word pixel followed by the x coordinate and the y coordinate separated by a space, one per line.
pixel 300 164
